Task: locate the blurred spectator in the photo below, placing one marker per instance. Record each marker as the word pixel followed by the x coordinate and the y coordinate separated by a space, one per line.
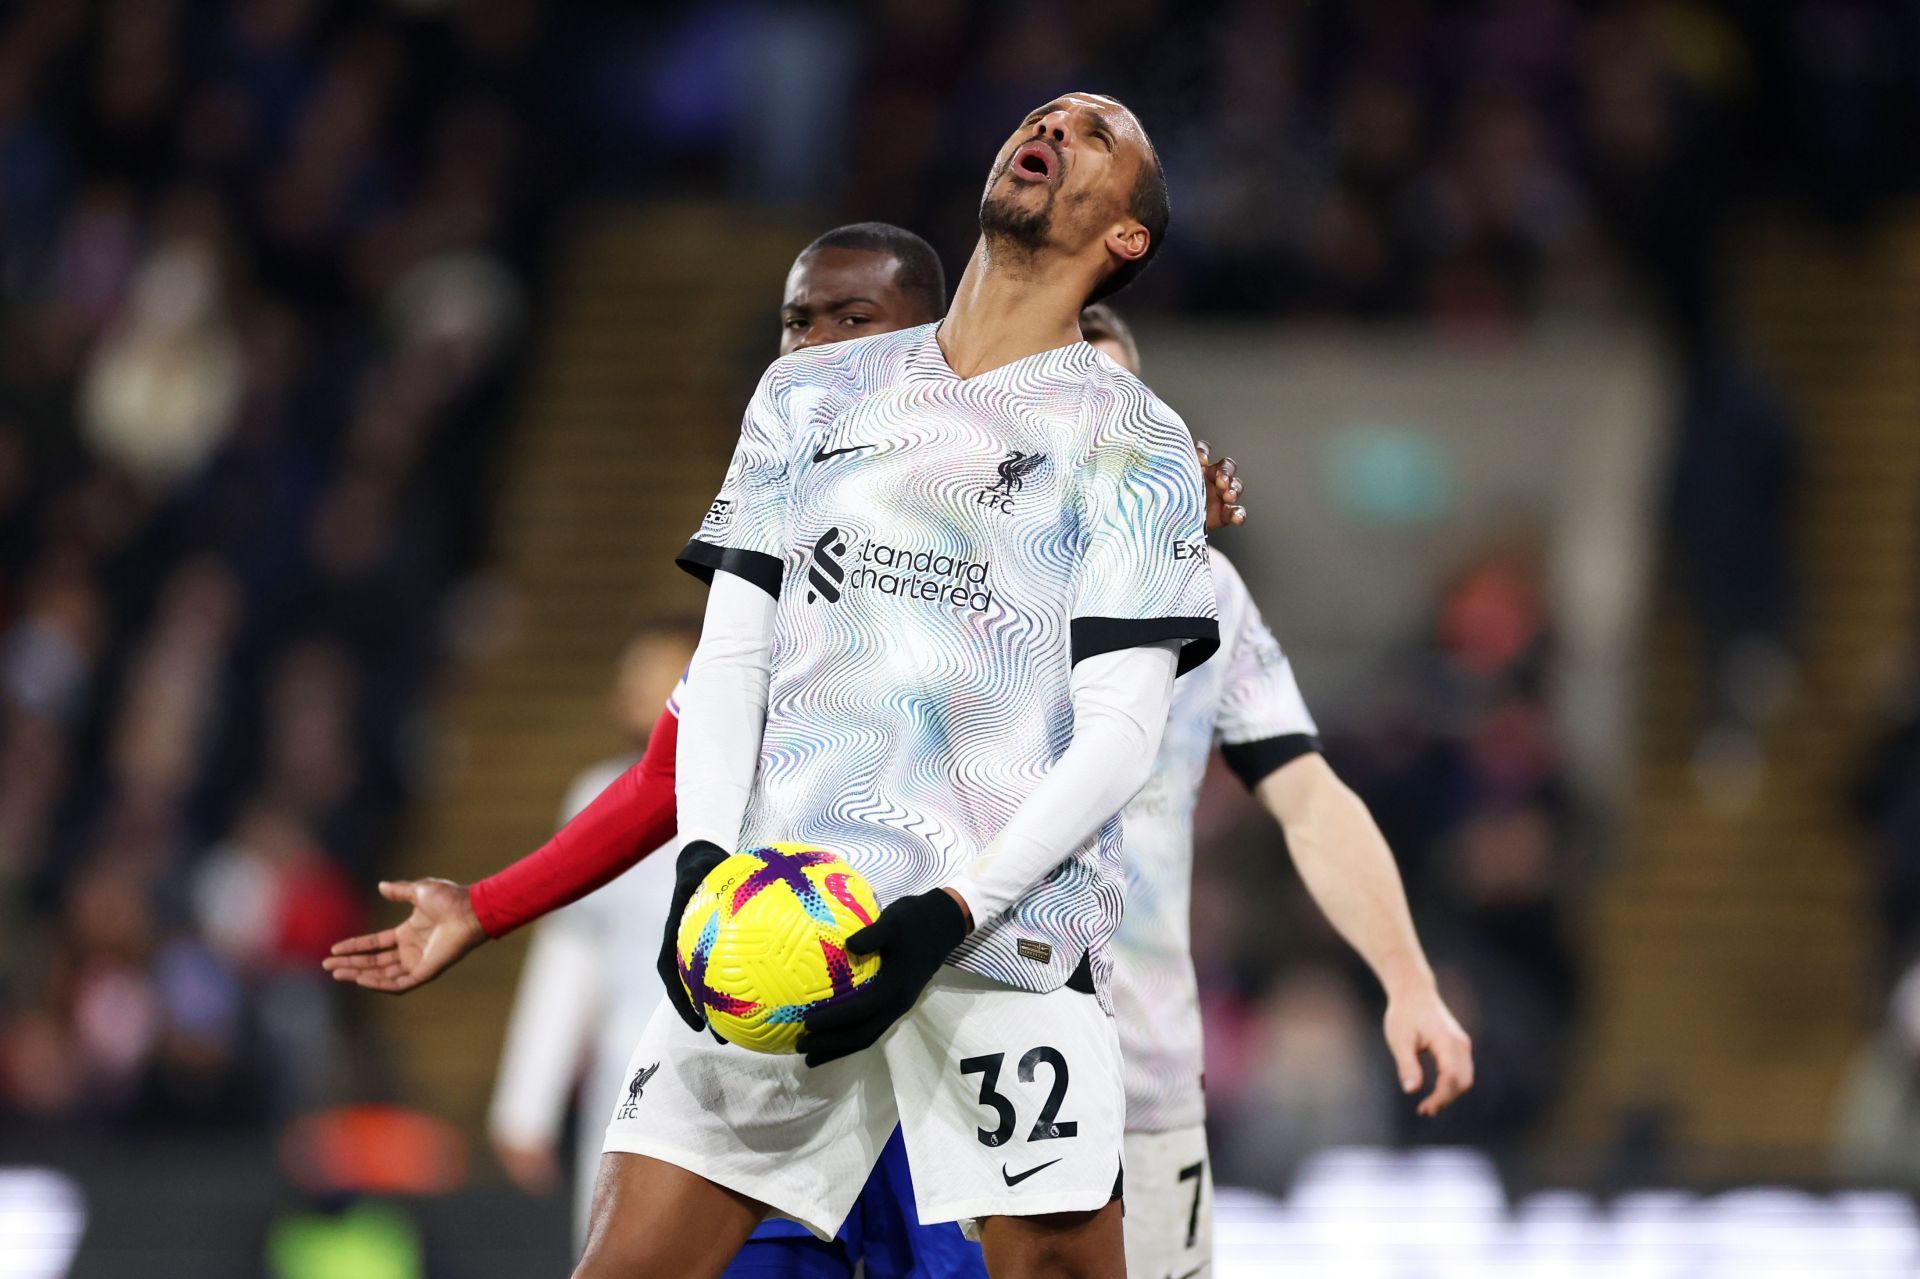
pixel 164 383
pixel 1735 469
pixel 1317 1079
pixel 1886 800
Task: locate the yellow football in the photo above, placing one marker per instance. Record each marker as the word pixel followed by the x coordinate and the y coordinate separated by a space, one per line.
pixel 764 940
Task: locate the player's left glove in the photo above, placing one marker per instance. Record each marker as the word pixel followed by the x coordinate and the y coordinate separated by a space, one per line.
pixel 695 860
pixel 912 937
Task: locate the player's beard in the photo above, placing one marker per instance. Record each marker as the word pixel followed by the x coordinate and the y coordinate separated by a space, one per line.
pixel 1004 221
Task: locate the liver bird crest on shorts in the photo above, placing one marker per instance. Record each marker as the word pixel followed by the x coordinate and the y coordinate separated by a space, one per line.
pixel 635 1087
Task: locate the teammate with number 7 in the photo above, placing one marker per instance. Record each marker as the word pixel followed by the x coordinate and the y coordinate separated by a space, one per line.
pixel 1244 701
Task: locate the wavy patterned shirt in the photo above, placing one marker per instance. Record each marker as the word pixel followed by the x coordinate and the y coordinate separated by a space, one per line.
pixel 943 550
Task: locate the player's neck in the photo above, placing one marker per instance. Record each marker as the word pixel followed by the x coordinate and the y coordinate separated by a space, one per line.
pixel 1009 306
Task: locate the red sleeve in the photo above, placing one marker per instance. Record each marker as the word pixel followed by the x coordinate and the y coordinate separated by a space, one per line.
pixel 632 817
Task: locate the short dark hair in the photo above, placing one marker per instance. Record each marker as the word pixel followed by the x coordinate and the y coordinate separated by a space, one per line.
pixel 1098 320
pixel 1152 208
pixel 921 275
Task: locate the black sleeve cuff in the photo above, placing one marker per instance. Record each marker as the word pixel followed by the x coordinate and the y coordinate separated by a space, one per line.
pixel 702 558
pixel 1254 762
pixel 1093 636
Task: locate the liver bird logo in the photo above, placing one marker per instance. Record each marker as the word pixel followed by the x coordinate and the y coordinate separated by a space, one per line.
pixel 639 1082
pixel 1014 470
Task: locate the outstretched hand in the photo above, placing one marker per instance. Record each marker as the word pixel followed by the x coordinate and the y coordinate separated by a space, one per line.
pixel 1223 489
pixel 1420 1022
pixel 441 929
pixel 913 937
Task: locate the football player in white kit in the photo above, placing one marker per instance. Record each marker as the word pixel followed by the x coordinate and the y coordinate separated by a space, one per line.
pixel 955 571
pixel 1246 702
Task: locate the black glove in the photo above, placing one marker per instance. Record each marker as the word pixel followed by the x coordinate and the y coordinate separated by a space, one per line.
pixel 696 859
pixel 912 937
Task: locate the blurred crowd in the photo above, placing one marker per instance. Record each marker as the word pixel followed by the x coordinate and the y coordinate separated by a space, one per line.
pixel 261 269
pixel 1475 166
pixel 1468 161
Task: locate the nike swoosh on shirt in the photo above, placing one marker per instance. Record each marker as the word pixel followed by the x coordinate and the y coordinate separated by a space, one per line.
pixel 821 455
pixel 1015 1179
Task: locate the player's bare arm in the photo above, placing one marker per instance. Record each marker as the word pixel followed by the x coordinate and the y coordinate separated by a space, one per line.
pixel 624 823
pixel 1346 864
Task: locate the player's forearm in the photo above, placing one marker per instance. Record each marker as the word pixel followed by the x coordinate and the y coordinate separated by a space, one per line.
pixel 1120 703
pixel 629 819
pixel 723 713
pixel 1348 868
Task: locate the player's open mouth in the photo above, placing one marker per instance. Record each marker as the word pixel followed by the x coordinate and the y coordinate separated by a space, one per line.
pixel 1035 162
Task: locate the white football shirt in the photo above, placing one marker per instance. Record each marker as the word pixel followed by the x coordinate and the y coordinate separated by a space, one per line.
pixel 1245 700
pixel 943 550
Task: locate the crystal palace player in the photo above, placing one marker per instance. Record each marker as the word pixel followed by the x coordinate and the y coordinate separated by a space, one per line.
pixel 1246 702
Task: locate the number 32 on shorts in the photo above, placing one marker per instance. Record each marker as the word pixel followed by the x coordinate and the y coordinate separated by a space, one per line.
pixel 1048 1125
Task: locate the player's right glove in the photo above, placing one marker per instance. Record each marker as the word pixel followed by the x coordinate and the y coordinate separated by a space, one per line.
pixel 697 858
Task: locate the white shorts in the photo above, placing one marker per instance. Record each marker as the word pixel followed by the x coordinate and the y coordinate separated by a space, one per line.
pixel 1169 1204
pixel 1011 1104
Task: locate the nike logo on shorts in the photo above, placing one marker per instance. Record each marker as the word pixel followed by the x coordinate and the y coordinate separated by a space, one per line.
pixel 1014 1180
pixel 821 455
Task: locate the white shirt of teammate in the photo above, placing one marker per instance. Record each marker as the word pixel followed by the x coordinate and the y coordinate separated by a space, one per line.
pixel 1244 700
